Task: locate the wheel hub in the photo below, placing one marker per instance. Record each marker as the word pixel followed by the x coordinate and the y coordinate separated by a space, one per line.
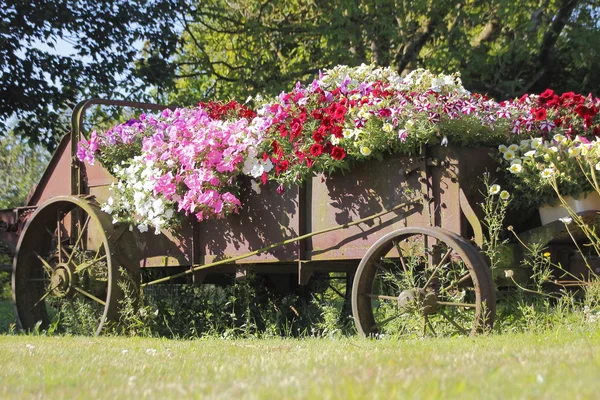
pixel 419 300
pixel 61 280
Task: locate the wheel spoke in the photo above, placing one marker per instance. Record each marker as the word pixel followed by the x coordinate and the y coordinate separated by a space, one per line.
pixel 384 269
pixel 58 240
pixel 385 321
pixel 380 296
pixel 456 325
pixel 88 264
pixel 89 295
pixel 428 323
pixel 451 304
pixel 437 267
pixel 87 220
pixel 64 251
pixel 400 256
pixel 48 292
pixel 45 264
pixel 462 279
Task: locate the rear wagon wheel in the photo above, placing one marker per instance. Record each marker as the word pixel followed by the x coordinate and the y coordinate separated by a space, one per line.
pixel 423 281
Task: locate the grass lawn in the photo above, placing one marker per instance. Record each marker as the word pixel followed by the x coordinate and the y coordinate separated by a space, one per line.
pixel 556 364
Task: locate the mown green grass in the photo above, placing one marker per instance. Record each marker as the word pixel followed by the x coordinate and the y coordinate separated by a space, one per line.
pixel 562 363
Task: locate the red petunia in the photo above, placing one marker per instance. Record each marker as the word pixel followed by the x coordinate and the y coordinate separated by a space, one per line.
pixel 296 128
pixel 337 131
pixel 275 146
pixel 283 130
pixel 338 153
pixel 539 114
pixel 546 96
pixel 316 150
pixel 385 112
pixel 282 166
pixel 582 110
pixel 318 135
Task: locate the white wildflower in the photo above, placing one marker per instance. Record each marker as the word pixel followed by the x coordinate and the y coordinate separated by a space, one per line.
pixel 547 173
pixel 566 220
pixel 365 151
pixel 504 195
pixel 494 189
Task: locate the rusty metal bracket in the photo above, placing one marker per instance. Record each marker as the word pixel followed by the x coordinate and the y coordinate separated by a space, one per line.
pixel 469 213
pixel 77 130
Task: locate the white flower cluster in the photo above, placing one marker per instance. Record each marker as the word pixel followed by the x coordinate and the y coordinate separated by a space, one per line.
pixel 254 166
pixel 133 200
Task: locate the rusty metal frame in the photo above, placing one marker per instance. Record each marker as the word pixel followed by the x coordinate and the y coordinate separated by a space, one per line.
pixel 76 131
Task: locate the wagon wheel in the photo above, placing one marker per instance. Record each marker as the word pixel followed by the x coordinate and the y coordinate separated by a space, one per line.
pixel 66 270
pixel 423 281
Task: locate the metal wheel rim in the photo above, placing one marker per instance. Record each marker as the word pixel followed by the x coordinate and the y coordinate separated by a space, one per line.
pixel 363 293
pixel 27 288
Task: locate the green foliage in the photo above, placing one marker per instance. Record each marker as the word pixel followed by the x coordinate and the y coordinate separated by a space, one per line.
pixel 501 47
pixel 39 84
pixel 21 166
pixel 245 309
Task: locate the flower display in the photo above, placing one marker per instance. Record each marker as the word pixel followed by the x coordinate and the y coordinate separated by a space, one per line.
pixel 563 153
pixel 558 163
pixel 188 159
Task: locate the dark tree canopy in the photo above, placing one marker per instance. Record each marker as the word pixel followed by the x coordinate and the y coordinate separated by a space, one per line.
pixel 196 50
pixel 501 47
pixel 37 85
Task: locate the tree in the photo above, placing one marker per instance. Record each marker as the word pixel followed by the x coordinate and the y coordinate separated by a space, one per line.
pixel 38 85
pixel 21 167
pixel 501 47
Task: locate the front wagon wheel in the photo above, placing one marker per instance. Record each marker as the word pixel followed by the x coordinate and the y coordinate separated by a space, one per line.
pixel 423 281
pixel 66 270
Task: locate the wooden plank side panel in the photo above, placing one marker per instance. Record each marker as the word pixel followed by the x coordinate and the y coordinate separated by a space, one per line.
pixel 266 217
pixel 368 189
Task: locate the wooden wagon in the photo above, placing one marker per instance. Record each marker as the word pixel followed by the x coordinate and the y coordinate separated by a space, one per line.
pixel 405 231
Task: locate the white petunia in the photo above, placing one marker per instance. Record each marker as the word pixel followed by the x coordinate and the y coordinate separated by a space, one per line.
pixel 516 161
pixel 143 228
pixel 536 142
pixel 516 168
pixel 513 147
pixel 509 155
pixel 574 151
